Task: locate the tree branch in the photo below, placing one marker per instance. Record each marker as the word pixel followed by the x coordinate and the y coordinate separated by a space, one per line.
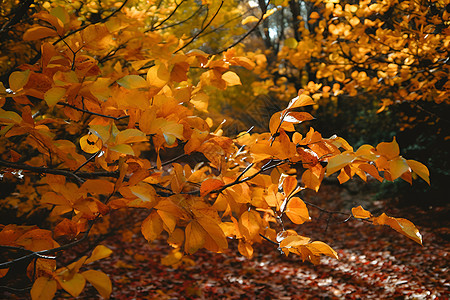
pixel 91 112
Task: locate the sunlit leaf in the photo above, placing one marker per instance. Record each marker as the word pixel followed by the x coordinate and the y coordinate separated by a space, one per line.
pixel 360 213
pixel 297 211
pixel 90 143
pixel 152 227
pixel 420 169
pixel 44 288
pixel 401 225
pixel 100 281
pixel 99 252
pixel 249 19
pixel 74 286
pixel 132 82
pixel 210 185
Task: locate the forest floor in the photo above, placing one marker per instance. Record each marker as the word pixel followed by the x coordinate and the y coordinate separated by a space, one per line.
pixel 375 262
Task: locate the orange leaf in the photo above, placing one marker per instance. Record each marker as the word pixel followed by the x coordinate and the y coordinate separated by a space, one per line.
pixel 100 281
pixel 318 247
pixel 420 169
pixel 132 82
pixel 274 123
pixel 44 288
pixel 158 76
pixel 310 180
pixel 90 143
pixel 194 237
pixel 210 185
pixel 99 252
pixel 390 150
pixel 360 213
pixel 250 224
pixel 339 161
pixel 249 19
pixel 397 167
pixel 74 286
pixel 152 227
pixel 245 248
pixel 300 100
pixel 297 211
pixel 401 225
pixel 231 78
pixel 38 32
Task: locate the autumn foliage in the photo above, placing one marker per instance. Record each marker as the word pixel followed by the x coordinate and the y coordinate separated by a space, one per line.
pixel 111 113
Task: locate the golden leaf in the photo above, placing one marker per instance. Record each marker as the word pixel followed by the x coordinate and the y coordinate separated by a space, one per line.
pixel 44 288
pixel 100 281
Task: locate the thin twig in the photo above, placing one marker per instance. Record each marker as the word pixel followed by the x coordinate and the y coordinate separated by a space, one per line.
pixel 169 16
pixel 202 30
pixel 91 112
pixel 248 32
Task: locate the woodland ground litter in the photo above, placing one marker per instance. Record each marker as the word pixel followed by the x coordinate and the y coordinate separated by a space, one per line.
pixel 375 261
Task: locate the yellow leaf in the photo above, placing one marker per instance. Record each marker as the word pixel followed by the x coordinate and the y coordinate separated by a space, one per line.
pixel 146 193
pixel 215 239
pixel 372 170
pixel 169 220
pixel 318 247
pixel 420 169
pixel 297 211
pixel 129 136
pixel 152 227
pixel 194 237
pixel 132 82
pixel 210 185
pixel 299 101
pixel 294 241
pixel 158 76
pixel 397 167
pixel 99 252
pixel 18 79
pixel 231 78
pixel 297 117
pixel 274 123
pixel 360 213
pixel 124 149
pixel 200 101
pixel 100 281
pixel 90 143
pixel 38 32
pixel 172 258
pixel 339 161
pixel 401 225
pixel 249 19
pixel 390 150
pixel 98 186
pixel 53 95
pixel 245 248
pixel 291 43
pixel 7 117
pixel 44 288
pixel 74 286
pixel 250 224
pixel 269 12
pixel 310 180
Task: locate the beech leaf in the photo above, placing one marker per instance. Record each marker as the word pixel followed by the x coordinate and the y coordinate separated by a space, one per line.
pixel 100 281
pixel 44 288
